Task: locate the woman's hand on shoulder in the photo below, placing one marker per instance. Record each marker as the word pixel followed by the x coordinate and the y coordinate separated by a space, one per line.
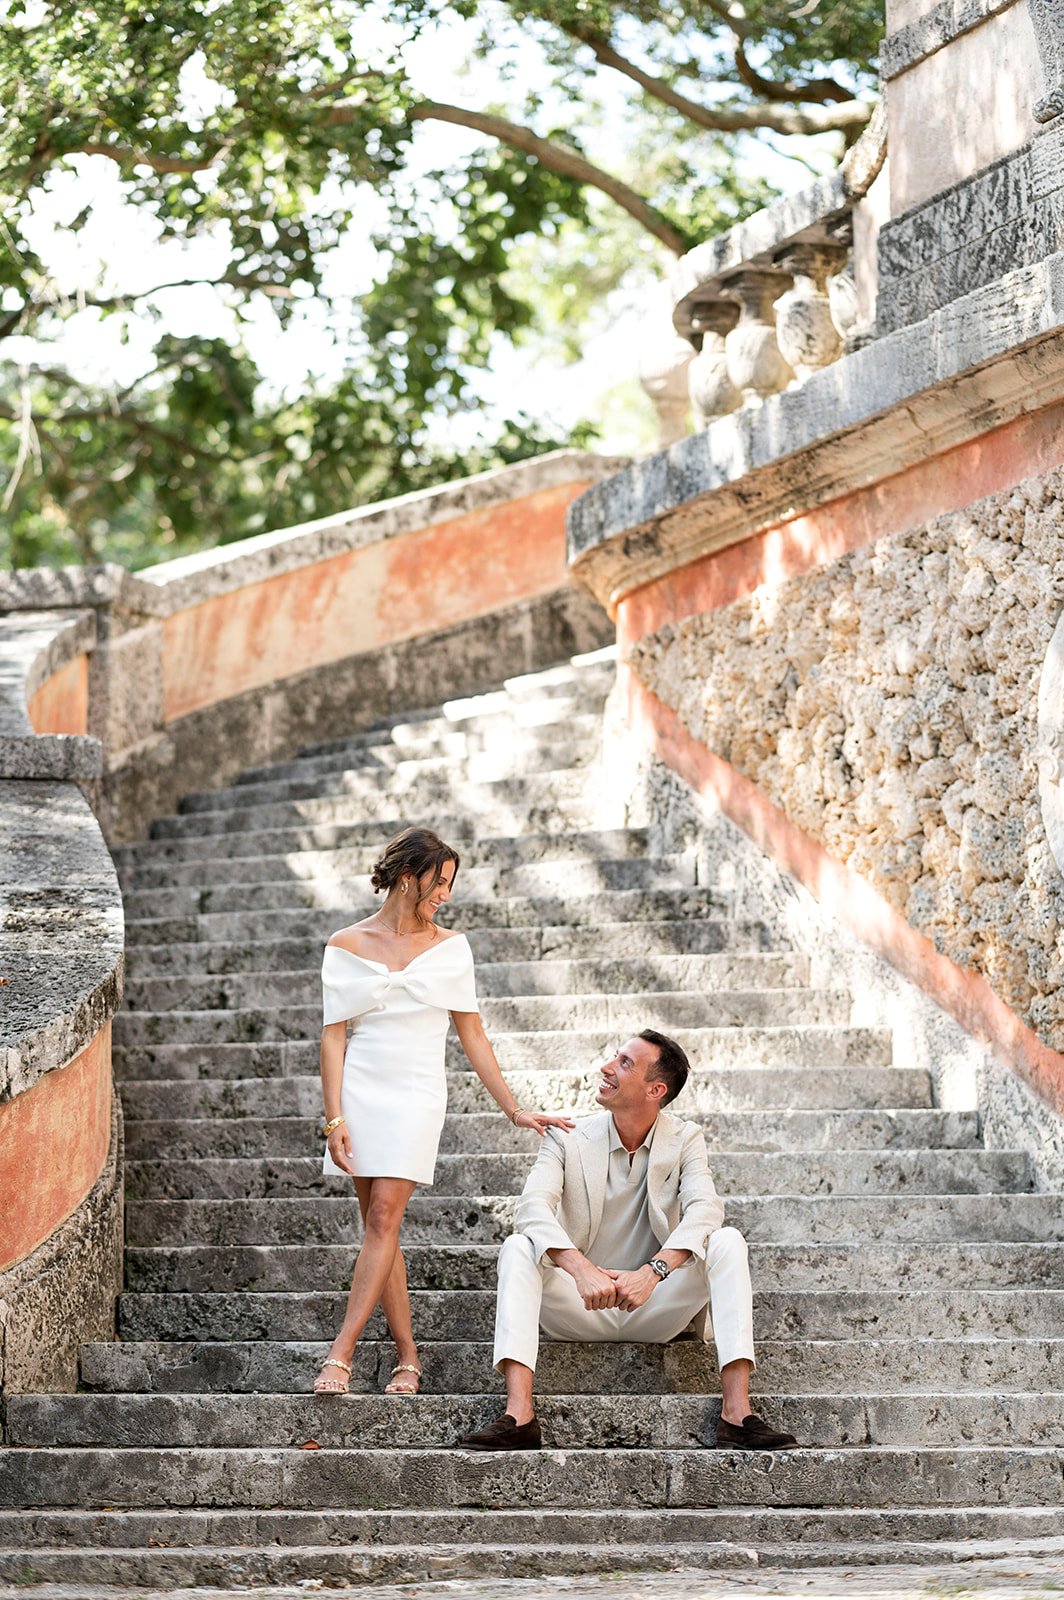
pixel 540 1121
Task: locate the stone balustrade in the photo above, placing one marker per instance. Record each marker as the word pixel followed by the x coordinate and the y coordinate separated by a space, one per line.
pixel 776 298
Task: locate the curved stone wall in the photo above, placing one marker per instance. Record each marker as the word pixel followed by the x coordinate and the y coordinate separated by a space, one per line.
pixel 61 965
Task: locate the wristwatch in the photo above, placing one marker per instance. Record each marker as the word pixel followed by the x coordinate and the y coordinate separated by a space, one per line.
pixel 661 1267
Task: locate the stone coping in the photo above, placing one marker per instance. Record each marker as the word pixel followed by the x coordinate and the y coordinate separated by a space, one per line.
pixel 933 31
pixel 187 581
pixel 63 929
pixel 33 646
pixel 978 362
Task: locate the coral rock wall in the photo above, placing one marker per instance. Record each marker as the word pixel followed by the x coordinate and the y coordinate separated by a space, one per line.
pixel 887 702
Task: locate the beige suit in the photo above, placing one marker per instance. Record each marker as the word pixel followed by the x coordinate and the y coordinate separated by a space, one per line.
pixel 561 1208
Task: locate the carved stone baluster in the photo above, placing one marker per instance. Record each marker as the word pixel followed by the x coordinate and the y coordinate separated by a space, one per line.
pixel 755 364
pixel 805 327
pixel 664 378
pixel 712 392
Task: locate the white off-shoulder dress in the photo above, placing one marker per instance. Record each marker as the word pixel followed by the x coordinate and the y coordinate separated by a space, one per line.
pixel 394 1089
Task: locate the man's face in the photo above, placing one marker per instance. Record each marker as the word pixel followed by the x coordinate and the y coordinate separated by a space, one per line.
pixel 624 1086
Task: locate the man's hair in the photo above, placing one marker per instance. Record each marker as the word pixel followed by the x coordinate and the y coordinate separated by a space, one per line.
pixel 672 1066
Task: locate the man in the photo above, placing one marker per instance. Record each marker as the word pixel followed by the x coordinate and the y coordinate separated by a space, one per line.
pixel 619 1237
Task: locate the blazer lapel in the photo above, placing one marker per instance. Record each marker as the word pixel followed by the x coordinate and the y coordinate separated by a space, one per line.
pixel 664 1154
pixel 595 1155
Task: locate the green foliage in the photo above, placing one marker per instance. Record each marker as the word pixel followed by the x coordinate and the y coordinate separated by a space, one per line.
pixel 266 127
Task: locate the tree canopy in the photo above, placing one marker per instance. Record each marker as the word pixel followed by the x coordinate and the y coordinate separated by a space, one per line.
pixel 278 131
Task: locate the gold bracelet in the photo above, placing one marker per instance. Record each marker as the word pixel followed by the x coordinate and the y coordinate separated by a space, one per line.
pixel 329 1126
pixel 514 1114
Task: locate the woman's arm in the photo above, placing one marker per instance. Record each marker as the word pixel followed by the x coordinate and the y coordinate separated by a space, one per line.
pixel 333 1046
pixel 477 1047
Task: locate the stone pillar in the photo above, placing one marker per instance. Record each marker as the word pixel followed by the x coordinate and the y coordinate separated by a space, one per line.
pixel 756 365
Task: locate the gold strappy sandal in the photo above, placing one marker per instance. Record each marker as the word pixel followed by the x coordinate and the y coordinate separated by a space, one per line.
pixel 404 1388
pixel 324 1385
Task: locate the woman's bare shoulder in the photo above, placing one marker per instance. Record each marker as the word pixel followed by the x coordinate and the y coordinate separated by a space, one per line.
pixel 350 937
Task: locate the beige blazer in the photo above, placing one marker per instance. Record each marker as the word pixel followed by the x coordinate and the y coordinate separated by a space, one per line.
pixel 561 1205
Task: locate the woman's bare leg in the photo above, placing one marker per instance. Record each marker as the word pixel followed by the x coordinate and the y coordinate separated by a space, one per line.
pixel 395 1297
pixel 386 1203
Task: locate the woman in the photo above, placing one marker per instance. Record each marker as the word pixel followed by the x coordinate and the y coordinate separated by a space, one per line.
pixel 385 1096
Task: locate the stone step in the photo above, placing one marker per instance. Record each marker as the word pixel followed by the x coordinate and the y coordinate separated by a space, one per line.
pixel 780 1218
pixel 521 946
pixel 593 673
pixel 714 974
pixel 865 1265
pixel 570 1422
pixel 443 1314
pixel 290 890
pixel 287 1573
pixel 547 802
pixel 504 851
pixel 162 1548
pixel 847 1172
pixel 543 1052
pixel 876 1476
pixel 525 911
pixel 444 736
pixel 728 1089
pixel 570 741
pixel 615 1013
pixel 318 878
pixel 489 716
pixel 220 1138
pixel 434 777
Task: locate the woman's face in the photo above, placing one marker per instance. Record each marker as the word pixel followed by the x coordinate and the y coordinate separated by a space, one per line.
pixel 431 894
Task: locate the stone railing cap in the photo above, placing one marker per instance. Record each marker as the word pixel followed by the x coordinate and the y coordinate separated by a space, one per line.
pixel 53 588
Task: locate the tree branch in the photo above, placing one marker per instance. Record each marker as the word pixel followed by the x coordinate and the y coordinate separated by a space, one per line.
pixel 819 91
pixel 845 117
pixel 559 158
pixel 139 158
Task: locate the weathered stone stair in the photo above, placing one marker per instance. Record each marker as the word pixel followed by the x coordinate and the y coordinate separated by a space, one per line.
pixel 909 1284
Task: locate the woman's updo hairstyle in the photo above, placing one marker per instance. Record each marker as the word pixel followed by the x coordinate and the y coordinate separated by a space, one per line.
pixel 411 854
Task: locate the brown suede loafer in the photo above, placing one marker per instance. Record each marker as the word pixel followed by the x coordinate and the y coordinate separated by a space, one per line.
pixel 753 1434
pixel 504 1434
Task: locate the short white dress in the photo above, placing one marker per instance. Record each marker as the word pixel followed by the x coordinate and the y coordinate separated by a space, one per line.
pixel 394 1089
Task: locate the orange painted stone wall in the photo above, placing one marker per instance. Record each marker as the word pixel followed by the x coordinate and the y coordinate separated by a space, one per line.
pixel 61 704
pixel 54 1140
pixel 361 600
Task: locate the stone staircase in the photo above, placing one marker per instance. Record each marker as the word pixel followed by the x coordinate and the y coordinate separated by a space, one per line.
pixel 909 1285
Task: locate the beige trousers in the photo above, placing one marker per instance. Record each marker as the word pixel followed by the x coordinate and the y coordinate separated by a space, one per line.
pixel 540 1296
